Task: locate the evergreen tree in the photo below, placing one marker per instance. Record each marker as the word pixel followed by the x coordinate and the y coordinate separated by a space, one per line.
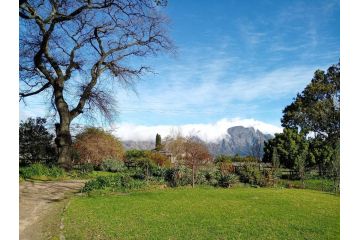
pixel 158 142
pixel 316 110
pixel 35 142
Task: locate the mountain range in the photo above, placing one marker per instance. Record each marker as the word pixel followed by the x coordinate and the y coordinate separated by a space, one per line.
pixel 239 140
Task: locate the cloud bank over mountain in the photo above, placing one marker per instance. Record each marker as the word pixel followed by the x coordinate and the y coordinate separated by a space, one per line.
pixel 209 132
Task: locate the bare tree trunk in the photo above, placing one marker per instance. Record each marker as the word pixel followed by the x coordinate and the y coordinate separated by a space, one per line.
pixel 63 136
pixel 63 142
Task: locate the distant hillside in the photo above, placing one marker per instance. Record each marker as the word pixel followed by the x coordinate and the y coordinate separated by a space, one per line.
pixel 238 140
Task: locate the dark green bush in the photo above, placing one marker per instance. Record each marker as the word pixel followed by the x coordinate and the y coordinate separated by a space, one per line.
pixel 179 176
pixel 170 177
pixel 138 173
pixel 227 180
pixel 85 168
pixel 118 182
pixel 249 173
pixel 159 172
pixel 208 177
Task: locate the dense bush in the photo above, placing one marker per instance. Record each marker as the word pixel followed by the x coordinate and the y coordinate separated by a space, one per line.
pixel 118 182
pixel 40 170
pixel 223 158
pixel 146 164
pixel 112 165
pixel 322 184
pixel 235 158
pixel 94 145
pixel 179 176
pixel 227 180
pixel 208 177
pixel 85 168
pixel 133 154
pixel 159 172
pixel 159 159
pixel 249 173
pixel 226 167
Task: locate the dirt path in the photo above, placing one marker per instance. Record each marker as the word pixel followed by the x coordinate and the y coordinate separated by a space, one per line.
pixel 41 205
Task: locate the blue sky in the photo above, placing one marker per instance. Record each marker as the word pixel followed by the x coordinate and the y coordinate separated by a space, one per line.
pixel 235 60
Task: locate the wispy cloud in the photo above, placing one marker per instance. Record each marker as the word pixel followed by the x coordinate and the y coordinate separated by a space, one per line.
pixel 212 84
pixel 250 33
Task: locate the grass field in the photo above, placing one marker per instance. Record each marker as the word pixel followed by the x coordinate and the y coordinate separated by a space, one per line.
pixel 205 213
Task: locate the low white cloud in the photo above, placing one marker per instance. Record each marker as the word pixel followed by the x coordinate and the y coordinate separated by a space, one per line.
pixel 210 132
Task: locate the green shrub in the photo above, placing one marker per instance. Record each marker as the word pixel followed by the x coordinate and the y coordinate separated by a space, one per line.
pixel 227 180
pixel 249 173
pixel 56 172
pixel 36 169
pixel 269 178
pixel 323 184
pixel 40 170
pixel 112 165
pixel 208 177
pixel 159 172
pixel 179 176
pixel 86 168
pixel 118 182
pixel 170 177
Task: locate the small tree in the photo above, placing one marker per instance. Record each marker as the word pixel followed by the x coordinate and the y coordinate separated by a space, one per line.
pixel 94 145
pixel 299 163
pixel 35 142
pixel 334 166
pixel 175 145
pixel 275 162
pixel 196 154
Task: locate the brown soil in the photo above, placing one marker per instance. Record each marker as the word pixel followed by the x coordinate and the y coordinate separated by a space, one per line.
pixel 41 205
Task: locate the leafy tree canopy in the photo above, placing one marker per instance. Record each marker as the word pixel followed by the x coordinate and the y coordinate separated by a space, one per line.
pixel 35 142
pixel 317 108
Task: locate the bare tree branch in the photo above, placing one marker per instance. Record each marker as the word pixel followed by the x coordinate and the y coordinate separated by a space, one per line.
pixel 80 47
pixel 44 87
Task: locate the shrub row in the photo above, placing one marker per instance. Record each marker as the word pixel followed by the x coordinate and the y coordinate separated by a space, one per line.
pixel 39 170
pixel 118 182
pixel 182 176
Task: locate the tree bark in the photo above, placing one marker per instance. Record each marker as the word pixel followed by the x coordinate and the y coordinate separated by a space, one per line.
pixel 63 136
pixel 63 142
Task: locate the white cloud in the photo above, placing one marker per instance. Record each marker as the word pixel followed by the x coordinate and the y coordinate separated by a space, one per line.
pixel 210 132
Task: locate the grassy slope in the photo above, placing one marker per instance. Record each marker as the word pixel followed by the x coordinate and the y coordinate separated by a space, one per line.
pixel 205 213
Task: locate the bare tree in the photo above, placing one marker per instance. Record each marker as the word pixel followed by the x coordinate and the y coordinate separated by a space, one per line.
pixel 174 143
pixel 196 154
pixel 77 50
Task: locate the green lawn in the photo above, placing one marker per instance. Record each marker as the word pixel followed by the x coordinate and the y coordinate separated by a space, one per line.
pixel 205 213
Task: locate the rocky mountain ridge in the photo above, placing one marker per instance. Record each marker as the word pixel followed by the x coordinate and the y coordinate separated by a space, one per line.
pixel 239 140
